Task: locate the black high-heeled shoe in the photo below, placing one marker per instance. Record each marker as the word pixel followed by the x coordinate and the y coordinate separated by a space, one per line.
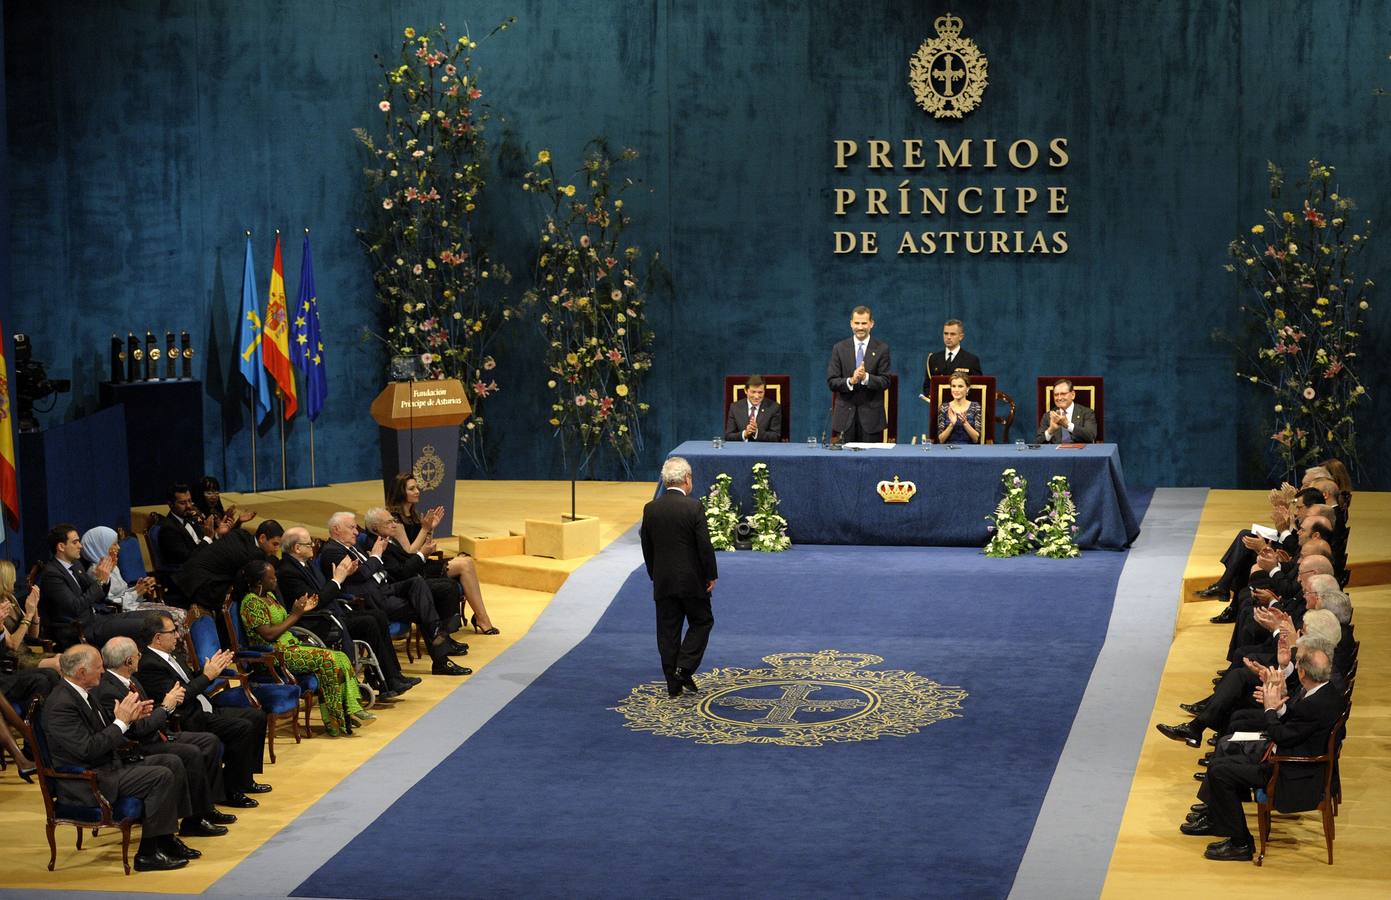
pixel 27 774
pixel 479 629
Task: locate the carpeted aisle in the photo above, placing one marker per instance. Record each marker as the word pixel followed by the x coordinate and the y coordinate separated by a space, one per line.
pixel 556 796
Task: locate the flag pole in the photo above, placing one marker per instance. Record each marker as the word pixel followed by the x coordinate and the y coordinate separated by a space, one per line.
pixel 281 396
pixel 253 420
pixel 313 474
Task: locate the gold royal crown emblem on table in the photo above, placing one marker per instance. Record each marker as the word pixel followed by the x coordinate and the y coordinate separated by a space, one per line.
pixel 948 74
pixel 897 491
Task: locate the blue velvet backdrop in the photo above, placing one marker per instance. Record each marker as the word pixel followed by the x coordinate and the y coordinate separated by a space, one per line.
pixel 145 136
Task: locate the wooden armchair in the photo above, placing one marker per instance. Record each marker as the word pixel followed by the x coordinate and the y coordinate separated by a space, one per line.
pixel 779 390
pixel 1267 798
pixel 1090 391
pixel 124 814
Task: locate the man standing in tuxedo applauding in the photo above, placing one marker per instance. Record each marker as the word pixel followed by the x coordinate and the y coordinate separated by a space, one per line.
pixel 681 563
pixel 952 358
pixel 858 375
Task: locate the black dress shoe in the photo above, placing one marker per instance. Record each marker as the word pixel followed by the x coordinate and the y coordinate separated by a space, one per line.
pixel 447 667
pixel 192 827
pixel 1215 590
pixel 257 787
pixel 1199 827
pixel 386 696
pixel 1225 617
pixel 158 861
pixel 674 690
pixel 1205 761
pixel 217 817
pixel 400 687
pixel 460 646
pixel 1212 741
pixel 178 849
pixel 1194 708
pixel 687 682
pixel 411 680
pixel 239 801
pixel 1198 807
pixel 1190 734
pixel 1200 776
pixel 1228 851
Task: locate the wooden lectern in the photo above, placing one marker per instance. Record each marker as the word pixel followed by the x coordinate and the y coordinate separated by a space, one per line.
pixel 419 431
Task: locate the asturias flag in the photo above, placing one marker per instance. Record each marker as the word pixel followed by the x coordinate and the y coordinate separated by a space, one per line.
pixel 9 481
pixel 275 349
pixel 306 346
pixel 249 339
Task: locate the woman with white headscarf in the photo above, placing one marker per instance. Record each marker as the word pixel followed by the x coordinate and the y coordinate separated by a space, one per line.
pixel 101 541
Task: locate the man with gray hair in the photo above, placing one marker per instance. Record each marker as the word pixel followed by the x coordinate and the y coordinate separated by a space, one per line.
pixel 200 751
pixel 1296 725
pixel 681 563
pixel 82 736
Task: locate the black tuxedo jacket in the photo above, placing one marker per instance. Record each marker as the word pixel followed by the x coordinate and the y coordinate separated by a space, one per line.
pixel 157 677
pixel 865 401
pixel 297 579
pixel 937 365
pixel 361 583
pixel 400 564
pixel 1083 427
pixel 176 545
pixel 769 420
pixel 209 572
pixel 676 546
pixel 69 600
pixel 78 738
pixel 111 691
pixel 1303 732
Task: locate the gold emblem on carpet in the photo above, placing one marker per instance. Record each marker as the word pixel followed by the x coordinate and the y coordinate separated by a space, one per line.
pixel 800 700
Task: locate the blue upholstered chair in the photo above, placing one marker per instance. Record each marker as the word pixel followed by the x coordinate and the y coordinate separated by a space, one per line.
pixel 124 814
pixel 270 668
pixel 275 699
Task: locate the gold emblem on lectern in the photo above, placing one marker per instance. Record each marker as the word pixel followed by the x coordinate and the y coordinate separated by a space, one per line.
pixel 897 491
pixel 806 699
pixel 428 468
pixel 948 74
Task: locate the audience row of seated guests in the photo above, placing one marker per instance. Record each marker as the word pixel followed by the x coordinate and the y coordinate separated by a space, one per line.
pixel 1287 666
pixel 139 713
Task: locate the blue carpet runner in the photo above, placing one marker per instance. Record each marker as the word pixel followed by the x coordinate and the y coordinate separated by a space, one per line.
pixel 927 782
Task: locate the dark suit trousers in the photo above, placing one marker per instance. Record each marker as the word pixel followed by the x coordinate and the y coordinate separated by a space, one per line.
pixel 243 735
pixel 855 431
pixel 674 650
pixel 201 754
pixel 410 601
pixel 160 782
pixel 1229 783
pixel 370 625
pixel 1237 563
pixel 1233 692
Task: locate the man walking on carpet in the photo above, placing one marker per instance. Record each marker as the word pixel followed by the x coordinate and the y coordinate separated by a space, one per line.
pixel 681 563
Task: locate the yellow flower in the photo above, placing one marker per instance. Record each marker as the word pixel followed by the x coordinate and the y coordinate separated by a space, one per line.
pixel 1289 217
pixel 1279 313
pixel 621 390
pixel 1322 301
pixel 568 190
pixel 409 33
pixel 555 422
pixel 543 157
pixel 572 359
pixel 1258 229
pixel 478 326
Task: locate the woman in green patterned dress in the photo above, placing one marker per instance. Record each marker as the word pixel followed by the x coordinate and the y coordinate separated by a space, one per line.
pixel 263 615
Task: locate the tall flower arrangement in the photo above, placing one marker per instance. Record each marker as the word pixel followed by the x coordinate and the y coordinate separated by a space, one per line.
pixel 444 299
pixel 769 527
pixel 720 515
pixel 590 295
pixel 1055 528
pixel 1306 306
pixel 1012 530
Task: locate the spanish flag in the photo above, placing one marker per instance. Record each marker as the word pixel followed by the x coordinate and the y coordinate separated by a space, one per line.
pixel 275 345
pixel 9 481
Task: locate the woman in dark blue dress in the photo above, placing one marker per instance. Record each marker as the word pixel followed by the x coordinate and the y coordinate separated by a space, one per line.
pixel 958 421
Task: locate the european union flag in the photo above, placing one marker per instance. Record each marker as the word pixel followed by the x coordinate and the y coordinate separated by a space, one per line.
pixel 249 339
pixel 306 346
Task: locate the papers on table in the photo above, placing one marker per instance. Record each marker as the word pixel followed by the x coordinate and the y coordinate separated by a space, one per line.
pixel 859 445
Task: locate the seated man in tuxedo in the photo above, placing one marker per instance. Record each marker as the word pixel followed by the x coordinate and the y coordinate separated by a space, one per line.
pixel 1297 724
pixel 242 730
pixel 298 575
pixel 83 736
pixel 207 575
pixel 402 564
pixel 858 376
pixel 756 417
pixel 71 599
pixel 952 358
pixel 183 529
pixel 200 751
pixel 408 600
pixel 1067 422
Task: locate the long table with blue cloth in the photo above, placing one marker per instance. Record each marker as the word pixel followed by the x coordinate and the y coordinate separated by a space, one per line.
pixel 830 496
